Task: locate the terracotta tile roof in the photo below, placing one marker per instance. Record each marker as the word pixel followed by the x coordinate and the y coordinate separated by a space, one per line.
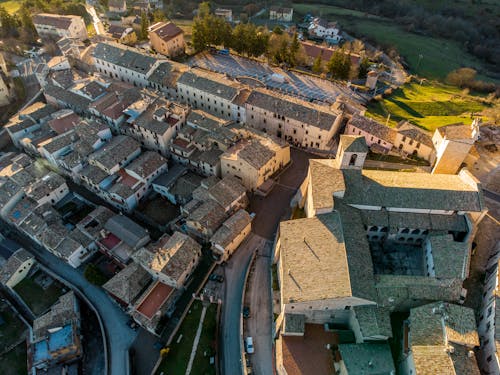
pixel 165 30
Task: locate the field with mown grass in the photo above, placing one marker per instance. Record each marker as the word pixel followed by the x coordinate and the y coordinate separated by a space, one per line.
pixel 429 105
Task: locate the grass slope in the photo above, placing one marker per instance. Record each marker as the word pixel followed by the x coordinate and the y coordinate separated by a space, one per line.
pixel 439 56
pixel 428 106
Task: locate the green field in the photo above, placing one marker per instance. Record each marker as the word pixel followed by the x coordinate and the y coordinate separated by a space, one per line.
pixel 12 330
pixel 11 6
pixel 15 361
pixel 439 56
pixel 429 106
pixel 176 361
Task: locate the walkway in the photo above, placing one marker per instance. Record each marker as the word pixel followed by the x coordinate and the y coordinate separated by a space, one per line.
pixel 196 340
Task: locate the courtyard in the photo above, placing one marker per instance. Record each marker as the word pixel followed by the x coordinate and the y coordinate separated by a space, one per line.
pixel 393 258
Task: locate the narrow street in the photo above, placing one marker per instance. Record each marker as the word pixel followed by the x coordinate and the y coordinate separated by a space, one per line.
pixel 259 325
pixel 119 335
pixel 269 212
pixel 234 272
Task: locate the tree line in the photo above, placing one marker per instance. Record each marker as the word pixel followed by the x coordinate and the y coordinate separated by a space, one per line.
pixel 277 46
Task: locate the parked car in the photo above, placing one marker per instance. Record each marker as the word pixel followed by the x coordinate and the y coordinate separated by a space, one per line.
pixel 216 277
pixel 246 312
pixel 249 345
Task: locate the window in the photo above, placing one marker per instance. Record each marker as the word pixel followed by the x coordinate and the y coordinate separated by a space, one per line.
pixel 352 161
pixel 418 145
pixel 404 139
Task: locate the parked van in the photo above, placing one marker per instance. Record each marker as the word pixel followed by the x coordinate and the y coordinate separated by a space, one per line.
pixel 249 345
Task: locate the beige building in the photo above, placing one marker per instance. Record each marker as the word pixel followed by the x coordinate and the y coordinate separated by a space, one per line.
pixel 117 6
pixel 171 260
pixel 298 122
pixel 16 268
pixel 231 234
pixel 57 26
pixel 411 140
pixel 452 144
pixel 254 160
pixel 166 38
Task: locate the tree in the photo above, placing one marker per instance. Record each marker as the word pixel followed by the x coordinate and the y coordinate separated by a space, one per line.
pixel 318 64
pixel 461 77
pixel 277 30
pixel 94 275
pixel 27 24
pixel 294 49
pixel 203 9
pixel 158 16
pixel 364 66
pixel 144 26
pixel 339 65
pixel 9 24
pixel 250 9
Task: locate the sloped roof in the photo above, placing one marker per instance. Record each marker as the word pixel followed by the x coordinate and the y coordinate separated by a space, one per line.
pixel 126 229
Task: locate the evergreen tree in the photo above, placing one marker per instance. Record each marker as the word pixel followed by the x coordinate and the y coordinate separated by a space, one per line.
pixel 318 64
pixel 364 66
pixel 144 25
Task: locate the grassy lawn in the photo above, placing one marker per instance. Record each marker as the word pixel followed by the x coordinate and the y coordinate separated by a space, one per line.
pixel 12 330
pixel 38 299
pixel 439 56
pixel 14 362
pixel 11 6
pixel 176 361
pixel 429 106
pixel 206 344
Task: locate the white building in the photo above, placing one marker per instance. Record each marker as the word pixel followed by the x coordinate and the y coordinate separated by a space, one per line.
pixel 213 93
pixel 321 28
pixel 57 26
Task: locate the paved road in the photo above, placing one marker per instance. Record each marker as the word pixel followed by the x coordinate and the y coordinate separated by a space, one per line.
pixel 258 325
pixel 119 335
pixel 234 272
pixel 491 194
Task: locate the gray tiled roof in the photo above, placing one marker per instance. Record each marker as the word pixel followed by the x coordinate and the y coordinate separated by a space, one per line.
pixel 368 358
pixel 373 320
pixel 450 257
pixel 116 150
pixel 325 181
pixel 77 102
pixel 374 128
pixel 353 143
pixel 231 228
pixel 416 134
pixel 147 163
pixel 125 57
pixel 358 252
pixel 127 230
pixel 411 190
pixel 208 85
pixel 290 108
pixel 128 283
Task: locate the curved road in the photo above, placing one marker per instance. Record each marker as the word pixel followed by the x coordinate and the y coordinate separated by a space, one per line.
pixel 119 335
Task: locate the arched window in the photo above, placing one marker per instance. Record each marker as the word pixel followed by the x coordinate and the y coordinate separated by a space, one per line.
pixel 353 159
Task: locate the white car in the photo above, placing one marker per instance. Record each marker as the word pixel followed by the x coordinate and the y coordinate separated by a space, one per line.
pixel 249 345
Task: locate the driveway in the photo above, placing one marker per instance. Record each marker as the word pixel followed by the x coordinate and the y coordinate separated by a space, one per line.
pixel 119 335
pixel 235 272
